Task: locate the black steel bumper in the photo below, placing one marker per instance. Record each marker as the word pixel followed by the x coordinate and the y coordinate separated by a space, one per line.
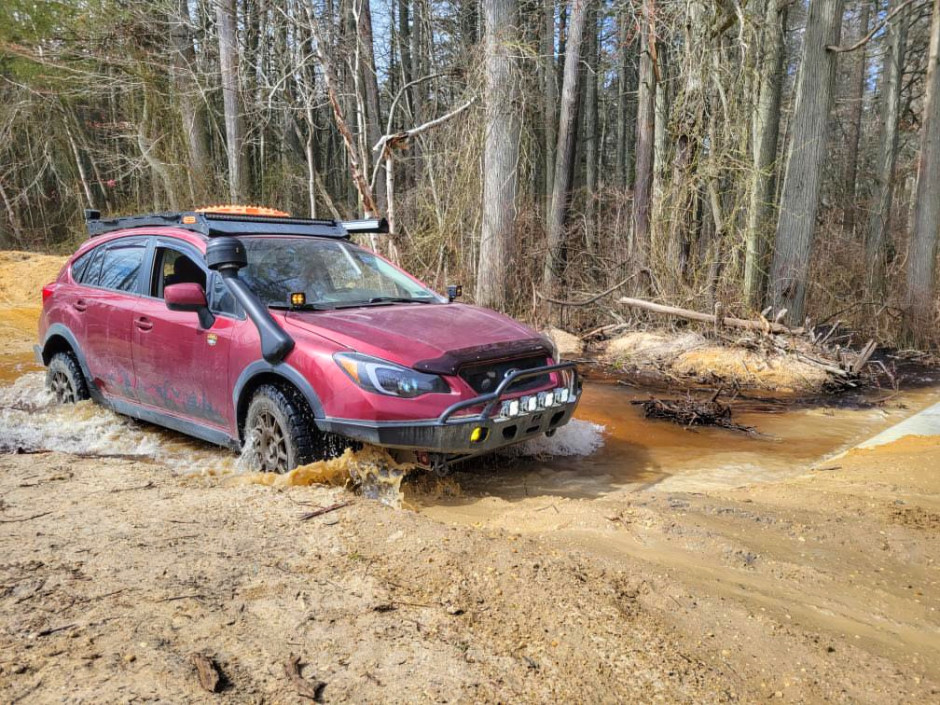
pixel 450 434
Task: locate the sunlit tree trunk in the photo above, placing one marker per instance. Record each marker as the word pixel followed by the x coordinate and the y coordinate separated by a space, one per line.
pixel 238 176
pixel 765 135
pixel 803 178
pixel 645 137
pixel 501 154
pixel 549 98
pixel 191 105
pixel 920 293
pixel 854 131
pixel 565 149
pixel 880 215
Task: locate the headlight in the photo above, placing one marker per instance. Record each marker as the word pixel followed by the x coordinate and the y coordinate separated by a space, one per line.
pixel 383 377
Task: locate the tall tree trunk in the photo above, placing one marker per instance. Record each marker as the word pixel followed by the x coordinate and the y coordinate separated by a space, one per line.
pixel 803 179
pixel 565 149
pixel 238 176
pixel 880 215
pixel 191 105
pixel 371 81
pixel 645 138
pixel 501 154
pixel 591 76
pixel 626 110
pixel 549 99
pixel 920 293
pixel 854 132
pixel 766 131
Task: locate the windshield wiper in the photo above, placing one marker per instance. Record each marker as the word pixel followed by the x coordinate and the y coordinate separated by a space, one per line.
pixel 378 300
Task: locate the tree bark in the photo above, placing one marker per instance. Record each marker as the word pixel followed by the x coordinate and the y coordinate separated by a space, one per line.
pixel 854 132
pixel 803 178
pixel 501 154
pixel 880 215
pixel 766 132
pixel 370 79
pixel 645 137
pixel 191 105
pixel 549 99
pixel 591 75
pixel 626 110
pixel 919 299
pixel 238 176
pixel 565 149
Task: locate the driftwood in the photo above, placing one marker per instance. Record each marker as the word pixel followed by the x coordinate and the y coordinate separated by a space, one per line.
pixel 206 671
pixel 304 688
pixel 762 325
pixel 690 412
pixel 324 510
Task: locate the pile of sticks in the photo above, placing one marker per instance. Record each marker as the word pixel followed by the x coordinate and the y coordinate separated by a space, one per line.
pixel 691 412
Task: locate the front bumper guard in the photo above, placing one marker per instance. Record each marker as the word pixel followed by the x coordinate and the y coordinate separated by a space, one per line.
pixel 450 434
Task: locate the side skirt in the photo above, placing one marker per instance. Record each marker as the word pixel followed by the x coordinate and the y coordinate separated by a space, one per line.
pixel 190 428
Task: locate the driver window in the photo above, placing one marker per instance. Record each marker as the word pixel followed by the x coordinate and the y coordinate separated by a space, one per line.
pixel 173 267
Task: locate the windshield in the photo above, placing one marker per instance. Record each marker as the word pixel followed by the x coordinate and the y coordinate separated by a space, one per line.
pixel 331 273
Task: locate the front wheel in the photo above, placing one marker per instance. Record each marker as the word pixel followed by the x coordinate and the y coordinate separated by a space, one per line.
pixel 279 430
pixel 64 379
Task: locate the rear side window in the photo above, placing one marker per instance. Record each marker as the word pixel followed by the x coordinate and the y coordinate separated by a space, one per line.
pixel 120 266
pixel 87 268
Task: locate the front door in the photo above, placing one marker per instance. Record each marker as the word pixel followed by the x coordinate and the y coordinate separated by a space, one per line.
pixel 181 368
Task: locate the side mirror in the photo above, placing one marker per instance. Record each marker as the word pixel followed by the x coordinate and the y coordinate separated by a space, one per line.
pixel 454 291
pixel 189 297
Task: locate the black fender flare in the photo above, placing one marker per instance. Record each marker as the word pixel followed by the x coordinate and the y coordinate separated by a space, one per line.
pixel 59 329
pixel 288 374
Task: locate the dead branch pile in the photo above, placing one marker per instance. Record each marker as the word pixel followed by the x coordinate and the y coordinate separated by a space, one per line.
pixel 690 412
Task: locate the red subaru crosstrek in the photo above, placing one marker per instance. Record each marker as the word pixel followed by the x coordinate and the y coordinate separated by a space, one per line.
pixel 278 332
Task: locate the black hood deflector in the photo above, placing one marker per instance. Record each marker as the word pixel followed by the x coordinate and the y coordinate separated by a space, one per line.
pixel 453 360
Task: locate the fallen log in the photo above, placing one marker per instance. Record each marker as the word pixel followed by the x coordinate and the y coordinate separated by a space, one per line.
pixel 764 325
pixel 690 412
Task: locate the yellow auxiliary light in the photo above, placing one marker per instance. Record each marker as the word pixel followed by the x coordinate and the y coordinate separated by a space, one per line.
pixel 478 434
pixel 189 219
pixel 298 299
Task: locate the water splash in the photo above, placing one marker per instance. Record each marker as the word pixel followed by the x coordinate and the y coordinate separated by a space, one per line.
pixel 577 437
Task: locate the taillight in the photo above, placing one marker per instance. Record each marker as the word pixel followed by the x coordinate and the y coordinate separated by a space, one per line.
pixel 47 291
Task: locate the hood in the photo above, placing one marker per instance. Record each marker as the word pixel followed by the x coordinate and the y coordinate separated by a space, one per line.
pixel 432 337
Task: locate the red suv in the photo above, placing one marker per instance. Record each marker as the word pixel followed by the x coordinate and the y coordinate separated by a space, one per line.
pixel 280 333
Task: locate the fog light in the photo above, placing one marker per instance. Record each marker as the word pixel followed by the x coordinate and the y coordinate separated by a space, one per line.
pixel 478 434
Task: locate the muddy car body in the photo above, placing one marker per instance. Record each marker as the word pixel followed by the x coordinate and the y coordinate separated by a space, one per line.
pixel 279 331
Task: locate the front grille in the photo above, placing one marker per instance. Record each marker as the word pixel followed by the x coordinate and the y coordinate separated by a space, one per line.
pixel 486 376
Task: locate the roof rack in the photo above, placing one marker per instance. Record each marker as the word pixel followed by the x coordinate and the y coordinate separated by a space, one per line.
pixel 215 224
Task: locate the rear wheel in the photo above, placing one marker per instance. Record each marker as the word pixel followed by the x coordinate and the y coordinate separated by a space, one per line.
pixel 65 380
pixel 279 430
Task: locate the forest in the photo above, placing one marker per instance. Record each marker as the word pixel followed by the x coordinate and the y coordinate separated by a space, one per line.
pixel 766 157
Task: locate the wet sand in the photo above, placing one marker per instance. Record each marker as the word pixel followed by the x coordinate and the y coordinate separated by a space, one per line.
pixel 666 566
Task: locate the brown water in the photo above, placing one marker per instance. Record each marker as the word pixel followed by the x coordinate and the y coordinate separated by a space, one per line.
pixel 608 448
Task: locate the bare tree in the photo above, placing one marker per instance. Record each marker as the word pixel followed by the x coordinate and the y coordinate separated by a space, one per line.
pixel 238 175
pixel 856 99
pixel 765 127
pixel 565 149
pixel 501 154
pixel 922 258
pixel 802 181
pixel 880 214
pixel 645 136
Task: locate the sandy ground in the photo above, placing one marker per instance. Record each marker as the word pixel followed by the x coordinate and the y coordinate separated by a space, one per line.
pixel 818 587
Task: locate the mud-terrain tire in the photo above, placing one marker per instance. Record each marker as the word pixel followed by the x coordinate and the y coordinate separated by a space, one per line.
pixel 280 428
pixel 64 379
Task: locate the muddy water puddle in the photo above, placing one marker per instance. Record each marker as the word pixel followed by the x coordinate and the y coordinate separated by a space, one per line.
pixel 608 448
pixel 637 453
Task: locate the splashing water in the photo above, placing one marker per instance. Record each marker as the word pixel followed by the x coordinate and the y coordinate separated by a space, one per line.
pixel 376 473
pixel 577 437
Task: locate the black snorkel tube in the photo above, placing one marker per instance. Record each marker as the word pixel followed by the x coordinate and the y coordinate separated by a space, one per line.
pixel 227 255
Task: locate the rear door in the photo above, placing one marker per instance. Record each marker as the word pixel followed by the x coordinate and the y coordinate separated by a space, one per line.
pixel 181 368
pixel 105 301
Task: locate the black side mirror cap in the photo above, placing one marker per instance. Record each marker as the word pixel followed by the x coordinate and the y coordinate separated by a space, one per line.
pixel 454 291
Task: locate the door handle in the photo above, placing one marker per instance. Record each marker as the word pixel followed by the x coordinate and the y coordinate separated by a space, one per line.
pixel 80 305
pixel 143 323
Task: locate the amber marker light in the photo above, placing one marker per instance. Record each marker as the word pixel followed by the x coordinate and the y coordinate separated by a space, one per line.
pixel 298 299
